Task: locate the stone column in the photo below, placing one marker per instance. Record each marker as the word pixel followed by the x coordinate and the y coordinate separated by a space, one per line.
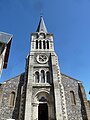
pixel 39 76
pixel 49 112
pixel 38 45
pixel 28 104
pixel 35 111
pixel 34 78
pixel 46 44
pixel 58 106
pixel 45 77
pixel 42 44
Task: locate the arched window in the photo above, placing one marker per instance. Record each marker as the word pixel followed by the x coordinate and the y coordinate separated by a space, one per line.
pixel 47 44
pixel 42 76
pixel 37 77
pixel 36 44
pixel 48 76
pixel 44 47
pixel 72 98
pixel 12 98
pixel 40 45
pixel 42 99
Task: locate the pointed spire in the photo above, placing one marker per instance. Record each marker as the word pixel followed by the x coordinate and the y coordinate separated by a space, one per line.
pixel 41 26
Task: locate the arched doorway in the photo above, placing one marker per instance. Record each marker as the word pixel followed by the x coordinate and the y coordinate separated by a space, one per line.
pixel 43 111
pixel 43 106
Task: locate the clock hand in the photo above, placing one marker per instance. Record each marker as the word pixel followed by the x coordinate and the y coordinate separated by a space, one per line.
pixel 44 57
pixel 41 58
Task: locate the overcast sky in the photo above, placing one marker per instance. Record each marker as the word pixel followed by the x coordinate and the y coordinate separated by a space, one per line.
pixel 68 20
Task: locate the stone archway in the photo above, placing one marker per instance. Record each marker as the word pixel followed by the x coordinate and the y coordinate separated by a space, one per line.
pixel 41 106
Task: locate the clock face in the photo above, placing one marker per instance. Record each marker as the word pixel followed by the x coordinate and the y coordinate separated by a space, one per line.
pixel 42 58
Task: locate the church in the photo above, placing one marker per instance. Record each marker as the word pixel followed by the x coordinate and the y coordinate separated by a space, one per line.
pixel 42 92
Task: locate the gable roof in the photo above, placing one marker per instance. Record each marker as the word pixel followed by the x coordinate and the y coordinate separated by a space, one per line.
pixel 70 77
pixel 6 39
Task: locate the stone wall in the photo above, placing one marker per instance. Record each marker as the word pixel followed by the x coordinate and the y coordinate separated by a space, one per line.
pixel 75 111
pixel 7 111
pixel 88 109
pixel 78 111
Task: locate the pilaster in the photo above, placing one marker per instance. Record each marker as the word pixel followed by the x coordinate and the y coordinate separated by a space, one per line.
pixel 28 106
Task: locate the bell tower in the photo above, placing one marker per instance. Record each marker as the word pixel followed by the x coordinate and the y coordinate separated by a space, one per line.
pixel 41 40
pixel 45 99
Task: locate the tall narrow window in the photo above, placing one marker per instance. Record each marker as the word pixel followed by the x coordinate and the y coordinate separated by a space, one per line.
pixel 48 76
pixel 37 77
pixel 42 76
pixel 40 45
pixel 12 98
pixel 72 98
pixel 47 44
pixel 36 44
pixel 44 47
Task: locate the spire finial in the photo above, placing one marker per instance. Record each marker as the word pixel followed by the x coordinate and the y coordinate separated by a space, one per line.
pixel 41 13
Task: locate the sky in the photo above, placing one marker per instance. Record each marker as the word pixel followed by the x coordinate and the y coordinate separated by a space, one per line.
pixel 68 20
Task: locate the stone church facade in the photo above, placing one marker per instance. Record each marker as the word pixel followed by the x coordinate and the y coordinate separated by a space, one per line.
pixel 42 92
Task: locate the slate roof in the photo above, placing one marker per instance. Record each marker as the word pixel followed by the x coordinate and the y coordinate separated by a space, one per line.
pixel 70 77
pixel 41 26
pixel 6 39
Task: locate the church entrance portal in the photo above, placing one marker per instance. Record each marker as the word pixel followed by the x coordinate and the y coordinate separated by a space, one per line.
pixel 43 112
